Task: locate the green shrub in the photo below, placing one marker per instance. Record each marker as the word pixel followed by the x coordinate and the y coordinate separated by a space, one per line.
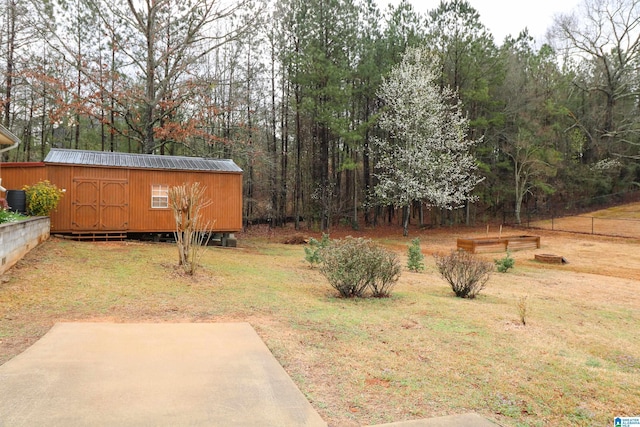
pixel 8 216
pixel 356 266
pixel 5 215
pixel 42 198
pixel 386 272
pixel 312 251
pixel 504 264
pixel 415 261
pixel 466 273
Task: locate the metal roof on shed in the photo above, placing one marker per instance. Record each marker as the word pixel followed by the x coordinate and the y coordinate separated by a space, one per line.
pixel 139 161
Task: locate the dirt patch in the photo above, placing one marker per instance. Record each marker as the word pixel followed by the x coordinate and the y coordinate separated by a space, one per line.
pixel 296 239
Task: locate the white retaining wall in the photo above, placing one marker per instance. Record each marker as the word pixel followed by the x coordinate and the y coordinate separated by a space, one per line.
pixel 18 238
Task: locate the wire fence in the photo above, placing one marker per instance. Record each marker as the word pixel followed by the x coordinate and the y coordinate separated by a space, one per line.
pixel 619 227
pixel 576 219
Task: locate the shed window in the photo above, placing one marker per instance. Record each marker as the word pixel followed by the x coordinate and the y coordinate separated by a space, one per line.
pixel 159 196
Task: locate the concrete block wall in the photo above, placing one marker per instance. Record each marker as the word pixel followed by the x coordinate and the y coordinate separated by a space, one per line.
pixel 18 238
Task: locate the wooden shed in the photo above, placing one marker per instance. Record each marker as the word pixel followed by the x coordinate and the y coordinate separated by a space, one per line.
pixel 112 194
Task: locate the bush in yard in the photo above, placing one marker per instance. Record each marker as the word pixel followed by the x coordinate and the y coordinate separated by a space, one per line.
pixel 415 256
pixel 312 251
pixel 386 272
pixel 504 264
pixel 42 198
pixel 466 273
pixel 354 266
pixel 6 215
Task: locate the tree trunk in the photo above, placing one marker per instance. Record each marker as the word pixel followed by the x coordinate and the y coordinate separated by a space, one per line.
pixel 324 179
pixel 298 167
pixel 11 38
pixel 354 223
pixel 150 88
pixel 406 213
pixel 284 156
pixel 517 168
pixel 273 146
pixel 78 89
pixel 250 196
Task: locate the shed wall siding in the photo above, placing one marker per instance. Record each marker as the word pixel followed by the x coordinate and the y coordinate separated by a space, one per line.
pixel 61 217
pixel 14 177
pixel 222 188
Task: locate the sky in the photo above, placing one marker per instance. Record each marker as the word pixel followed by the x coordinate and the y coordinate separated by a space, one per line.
pixel 504 17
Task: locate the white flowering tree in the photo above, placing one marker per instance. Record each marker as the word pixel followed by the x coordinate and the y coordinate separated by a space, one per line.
pixel 426 156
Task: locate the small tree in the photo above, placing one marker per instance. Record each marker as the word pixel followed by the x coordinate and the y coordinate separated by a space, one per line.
pixel 42 198
pixel 466 273
pixel 504 264
pixel 415 257
pixel 313 250
pixel 187 202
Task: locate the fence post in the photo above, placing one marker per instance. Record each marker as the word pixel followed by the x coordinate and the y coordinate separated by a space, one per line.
pixel 551 222
pixel 592 218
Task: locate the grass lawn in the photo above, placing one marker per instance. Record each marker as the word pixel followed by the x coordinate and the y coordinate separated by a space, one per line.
pixel 420 353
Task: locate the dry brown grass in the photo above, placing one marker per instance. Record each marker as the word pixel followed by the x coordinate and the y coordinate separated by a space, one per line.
pixel 420 353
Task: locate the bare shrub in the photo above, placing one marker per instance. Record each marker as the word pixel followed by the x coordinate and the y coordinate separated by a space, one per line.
pixel 354 266
pixel 466 273
pixel 192 232
pixel 523 309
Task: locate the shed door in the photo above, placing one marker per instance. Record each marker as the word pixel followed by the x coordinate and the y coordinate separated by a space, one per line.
pixel 100 204
pixel 114 204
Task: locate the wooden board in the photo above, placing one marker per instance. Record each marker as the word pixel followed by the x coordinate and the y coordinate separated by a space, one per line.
pixel 498 244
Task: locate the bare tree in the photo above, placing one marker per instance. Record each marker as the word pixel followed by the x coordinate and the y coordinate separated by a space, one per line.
pixel 161 45
pixel 603 38
pixel 187 202
pixel 532 163
pixel 527 138
pixel 16 36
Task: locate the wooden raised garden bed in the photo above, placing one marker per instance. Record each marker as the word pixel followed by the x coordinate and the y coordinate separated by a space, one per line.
pixel 498 244
pixel 550 259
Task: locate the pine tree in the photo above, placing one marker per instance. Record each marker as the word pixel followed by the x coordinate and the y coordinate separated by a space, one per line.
pixel 415 258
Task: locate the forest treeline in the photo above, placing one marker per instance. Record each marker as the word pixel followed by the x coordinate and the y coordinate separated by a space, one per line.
pixel 290 90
